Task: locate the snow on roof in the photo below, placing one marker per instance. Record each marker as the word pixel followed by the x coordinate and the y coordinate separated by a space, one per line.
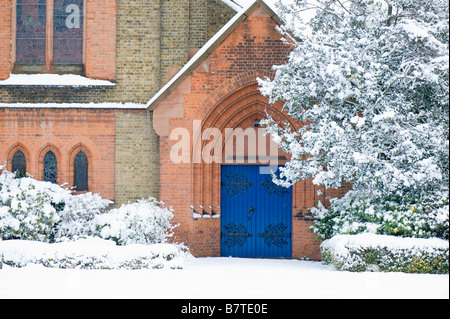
pixel 59 81
pixel 269 3
pixel 53 80
pixel 272 4
pixel 235 5
pixel 243 8
pixel 103 105
pixel 209 46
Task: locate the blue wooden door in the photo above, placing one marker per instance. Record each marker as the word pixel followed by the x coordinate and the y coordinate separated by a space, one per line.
pixel 256 214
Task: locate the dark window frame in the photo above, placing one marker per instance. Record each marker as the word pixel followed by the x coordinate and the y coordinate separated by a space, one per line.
pixel 19 164
pixel 49 65
pixel 50 167
pixel 81 171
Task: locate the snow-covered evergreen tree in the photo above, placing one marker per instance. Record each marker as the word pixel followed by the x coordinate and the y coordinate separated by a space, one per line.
pixel 368 80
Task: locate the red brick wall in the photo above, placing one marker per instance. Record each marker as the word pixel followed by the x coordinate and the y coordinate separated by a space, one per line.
pixel 65 132
pixel 100 39
pixel 255 45
pixel 5 39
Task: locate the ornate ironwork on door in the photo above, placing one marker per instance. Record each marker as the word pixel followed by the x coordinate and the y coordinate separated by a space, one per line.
pixel 238 184
pixel 256 214
pixel 50 167
pixel 273 188
pixel 235 235
pixel 275 235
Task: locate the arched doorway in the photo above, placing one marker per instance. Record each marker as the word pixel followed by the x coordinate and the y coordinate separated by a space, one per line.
pixel 255 214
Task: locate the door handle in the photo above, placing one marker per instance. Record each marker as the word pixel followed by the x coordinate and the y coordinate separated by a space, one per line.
pixel 251 210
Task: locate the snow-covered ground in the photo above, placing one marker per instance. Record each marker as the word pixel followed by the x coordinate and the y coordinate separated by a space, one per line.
pixel 218 278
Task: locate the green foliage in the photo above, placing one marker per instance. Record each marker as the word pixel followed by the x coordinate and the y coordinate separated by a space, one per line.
pixel 403 216
pixel 431 260
pixel 368 81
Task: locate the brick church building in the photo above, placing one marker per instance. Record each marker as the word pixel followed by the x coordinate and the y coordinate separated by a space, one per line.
pixel 101 95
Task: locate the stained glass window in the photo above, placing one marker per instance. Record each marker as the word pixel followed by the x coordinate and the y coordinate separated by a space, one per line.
pixel 30 31
pixel 80 172
pixel 50 167
pixel 68 32
pixel 19 164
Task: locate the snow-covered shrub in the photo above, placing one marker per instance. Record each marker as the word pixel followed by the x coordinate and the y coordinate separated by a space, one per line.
pixel 28 208
pixel 91 253
pixel 404 216
pixel 76 219
pixel 42 211
pixel 386 253
pixel 369 83
pixel 143 222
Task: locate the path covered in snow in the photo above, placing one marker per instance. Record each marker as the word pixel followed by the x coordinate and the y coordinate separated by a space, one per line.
pixel 218 278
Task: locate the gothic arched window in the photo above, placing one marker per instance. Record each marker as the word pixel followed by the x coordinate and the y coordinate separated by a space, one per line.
pixel 31 16
pixel 19 164
pixel 80 172
pixel 41 38
pixel 50 167
pixel 68 24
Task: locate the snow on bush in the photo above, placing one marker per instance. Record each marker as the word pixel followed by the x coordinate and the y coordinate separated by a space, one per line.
pixel 91 253
pixel 357 212
pixel 42 211
pixel 369 83
pixel 143 222
pixel 32 210
pixel 28 207
pixel 78 215
pixel 386 253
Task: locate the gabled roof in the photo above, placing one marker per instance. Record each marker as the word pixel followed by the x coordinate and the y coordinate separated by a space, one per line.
pixel 237 5
pixel 210 46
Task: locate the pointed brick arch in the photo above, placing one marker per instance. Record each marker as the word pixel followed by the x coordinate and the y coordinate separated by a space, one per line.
pixel 90 158
pixel 240 85
pixel 59 161
pixel 238 104
pixel 25 149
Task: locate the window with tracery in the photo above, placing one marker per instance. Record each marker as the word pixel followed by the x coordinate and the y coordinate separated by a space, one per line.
pixel 31 17
pixel 68 32
pixel 54 42
pixel 50 167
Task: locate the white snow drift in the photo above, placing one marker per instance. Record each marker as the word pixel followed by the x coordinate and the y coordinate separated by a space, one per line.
pixel 91 253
